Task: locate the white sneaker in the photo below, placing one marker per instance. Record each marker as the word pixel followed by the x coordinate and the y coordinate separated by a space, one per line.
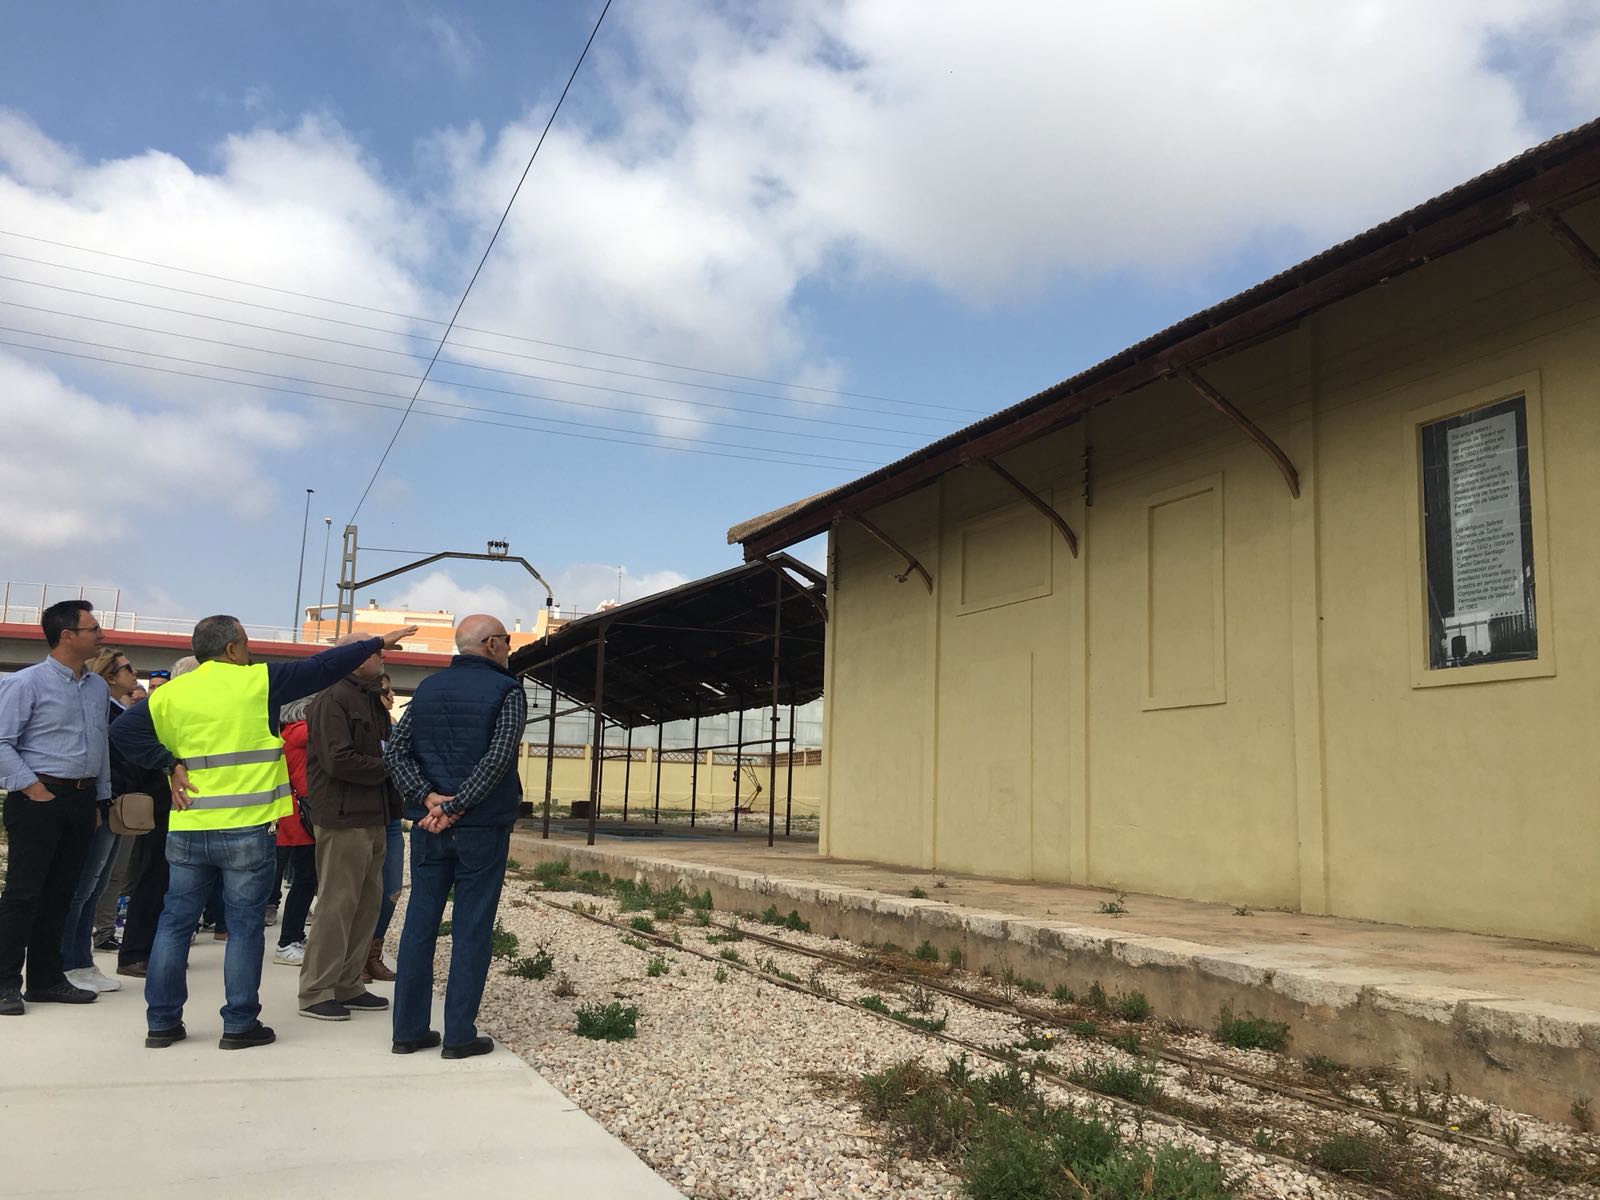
pixel 272 914
pixel 90 979
pixel 291 955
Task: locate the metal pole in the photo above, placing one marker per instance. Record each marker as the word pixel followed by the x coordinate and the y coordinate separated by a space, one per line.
pixel 738 763
pixel 661 733
pixel 788 798
pixel 599 729
pixel 300 573
pixel 322 580
pixel 550 752
pixel 772 749
pixel 627 775
pixel 694 769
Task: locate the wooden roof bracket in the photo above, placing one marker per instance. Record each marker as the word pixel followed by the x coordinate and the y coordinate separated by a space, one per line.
pixel 1571 241
pixel 1038 502
pixel 1253 431
pixel 911 559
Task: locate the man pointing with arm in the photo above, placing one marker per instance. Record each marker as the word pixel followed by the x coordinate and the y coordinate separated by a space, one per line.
pixel 216 731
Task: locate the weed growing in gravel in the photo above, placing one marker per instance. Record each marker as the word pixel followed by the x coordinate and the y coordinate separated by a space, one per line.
pixel 563 985
pixel 1011 1143
pixel 772 916
pixel 1128 1042
pixel 512 864
pixel 502 942
pixel 1136 1083
pixel 536 966
pixel 1582 1114
pixel 733 935
pixel 1086 1029
pixel 1251 1033
pixel 793 921
pixel 1242 910
pixel 614 1022
pixel 1037 1041
pixel 1096 997
pixel 1356 1155
pixel 702 902
pixel 1322 1066
pixel 551 870
pixel 702 919
pixel 1062 994
pixel 818 984
pixel 769 966
pixel 918 894
pixel 636 943
pixel 929 1024
pixel 596 883
pixel 642 924
pixel 720 975
pixel 657 967
pixel 925 952
pixel 1131 1007
pixel 729 954
pixel 953 957
pixel 1030 987
pixel 921 999
pixel 444 928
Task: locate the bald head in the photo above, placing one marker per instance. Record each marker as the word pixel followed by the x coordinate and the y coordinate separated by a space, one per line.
pixel 484 636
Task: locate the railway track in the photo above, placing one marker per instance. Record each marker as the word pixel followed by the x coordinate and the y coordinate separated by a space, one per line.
pixel 1214 1128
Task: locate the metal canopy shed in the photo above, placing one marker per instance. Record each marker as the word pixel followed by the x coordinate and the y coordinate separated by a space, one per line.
pixel 751 635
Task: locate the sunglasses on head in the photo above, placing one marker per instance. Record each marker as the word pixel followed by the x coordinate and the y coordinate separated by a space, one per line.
pixel 160 674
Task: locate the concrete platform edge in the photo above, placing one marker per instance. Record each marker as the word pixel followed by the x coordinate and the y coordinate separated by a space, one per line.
pixel 1527 1055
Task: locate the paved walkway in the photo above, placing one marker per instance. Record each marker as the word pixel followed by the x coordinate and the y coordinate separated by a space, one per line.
pixel 328 1111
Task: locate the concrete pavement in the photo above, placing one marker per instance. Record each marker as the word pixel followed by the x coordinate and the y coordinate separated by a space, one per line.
pixel 87 1111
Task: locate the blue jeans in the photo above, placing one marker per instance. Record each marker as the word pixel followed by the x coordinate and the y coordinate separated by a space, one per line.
pixel 77 939
pixel 242 861
pixel 394 869
pixel 472 859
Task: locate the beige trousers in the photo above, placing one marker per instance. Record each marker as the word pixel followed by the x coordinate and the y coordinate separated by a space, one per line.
pixel 349 893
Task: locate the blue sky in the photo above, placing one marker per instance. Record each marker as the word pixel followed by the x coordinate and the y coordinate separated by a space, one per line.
pixel 901 216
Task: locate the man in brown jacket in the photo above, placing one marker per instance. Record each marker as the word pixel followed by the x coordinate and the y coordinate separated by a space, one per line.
pixel 350 800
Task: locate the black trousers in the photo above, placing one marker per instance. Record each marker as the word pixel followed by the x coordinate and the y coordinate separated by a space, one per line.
pixel 47 843
pixel 147 892
pixel 302 864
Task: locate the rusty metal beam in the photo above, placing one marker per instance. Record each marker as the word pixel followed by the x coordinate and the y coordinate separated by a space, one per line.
pixel 911 559
pixel 1253 431
pixel 1037 501
pixel 1572 242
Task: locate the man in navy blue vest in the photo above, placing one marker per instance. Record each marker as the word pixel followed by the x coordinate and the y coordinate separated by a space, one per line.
pixel 453 757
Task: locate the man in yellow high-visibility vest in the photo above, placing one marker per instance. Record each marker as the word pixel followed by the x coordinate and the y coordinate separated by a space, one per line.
pixel 216 730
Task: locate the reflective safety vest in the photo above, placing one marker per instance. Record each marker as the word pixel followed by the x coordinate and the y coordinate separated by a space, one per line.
pixel 215 720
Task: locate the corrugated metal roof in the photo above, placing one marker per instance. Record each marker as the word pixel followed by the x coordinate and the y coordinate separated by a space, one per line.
pixel 801 517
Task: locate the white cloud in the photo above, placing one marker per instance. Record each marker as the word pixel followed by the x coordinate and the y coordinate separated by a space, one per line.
pixel 438 590
pixel 580 587
pixel 457 45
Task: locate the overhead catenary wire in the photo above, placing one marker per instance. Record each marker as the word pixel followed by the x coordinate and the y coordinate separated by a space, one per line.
pixel 478 386
pixel 204 316
pixel 445 337
pixel 797 459
pixel 809 387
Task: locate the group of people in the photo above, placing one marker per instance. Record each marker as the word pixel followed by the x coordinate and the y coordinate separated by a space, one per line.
pixel 255 772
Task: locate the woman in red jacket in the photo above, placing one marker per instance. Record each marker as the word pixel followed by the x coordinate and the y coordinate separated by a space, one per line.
pixel 296 846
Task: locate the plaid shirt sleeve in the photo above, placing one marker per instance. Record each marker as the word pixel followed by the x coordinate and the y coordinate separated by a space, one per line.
pixel 402 763
pixel 500 756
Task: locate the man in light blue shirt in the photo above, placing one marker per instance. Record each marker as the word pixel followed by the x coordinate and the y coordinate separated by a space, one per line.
pixel 55 766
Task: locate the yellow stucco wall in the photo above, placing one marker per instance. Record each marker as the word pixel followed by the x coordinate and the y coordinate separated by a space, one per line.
pixel 1221 697
pixel 713 789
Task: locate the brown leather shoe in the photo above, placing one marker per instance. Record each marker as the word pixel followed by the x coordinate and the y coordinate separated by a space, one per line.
pixel 135 969
pixel 375 968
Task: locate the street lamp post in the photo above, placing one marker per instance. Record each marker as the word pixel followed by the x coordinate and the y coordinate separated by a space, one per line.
pixel 300 574
pixel 322 580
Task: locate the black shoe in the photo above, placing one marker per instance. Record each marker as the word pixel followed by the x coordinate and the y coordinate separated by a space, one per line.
pixel 426 1042
pixel 257 1035
pixel 326 1010
pixel 158 1039
pixel 110 943
pixel 61 993
pixel 481 1044
pixel 11 1002
pixel 366 1002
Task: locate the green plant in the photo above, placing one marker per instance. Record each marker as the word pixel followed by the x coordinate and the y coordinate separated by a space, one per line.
pixel 733 935
pixel 1096 998
pixel 1131 1007
pixel 1037 1041
pixel 729 954
pixel 925 952
pixel 1086 1029
pixel 1251 1033
pixel 772 916
pixel 444 928
pixel 1115 907
pixel 502 942
pixel 1030 987
pixel 563 986
pixel 1322 1066
pixel 1582 1114
pixel 1128 1042
pixel 918 894
pixel 635 943
pixel 795 923
pixel 1062 994
pixel 642 924
pixel 720 975
pixel 551 870
pixel 595 883
pixel 702 902
pixel 657 967
pixel 769 966
pixel 1242 910
pixel 702 918
pixel 614 1022
pixel 927 1024
pixel 953 957
pixel 536 966
pixel 818 984
pixel 512 864
pixel 1355 1155
pixel 1136 1083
